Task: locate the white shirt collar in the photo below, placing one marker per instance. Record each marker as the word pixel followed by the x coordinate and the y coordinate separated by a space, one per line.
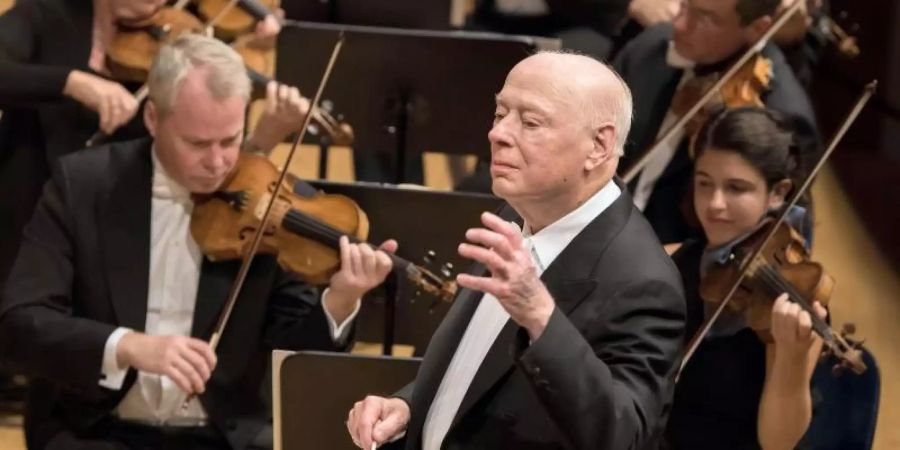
pixel 674 59
pixel 548 243
pixel 163 185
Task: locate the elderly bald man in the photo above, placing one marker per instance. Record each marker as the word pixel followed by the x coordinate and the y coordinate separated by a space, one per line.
pixel 567 332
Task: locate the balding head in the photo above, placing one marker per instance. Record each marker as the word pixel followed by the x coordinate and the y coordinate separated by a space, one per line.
pixel 559 129
pixel 595 92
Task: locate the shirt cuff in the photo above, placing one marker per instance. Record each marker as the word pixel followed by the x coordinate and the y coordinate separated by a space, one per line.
pixel 340 332
pixel 111 375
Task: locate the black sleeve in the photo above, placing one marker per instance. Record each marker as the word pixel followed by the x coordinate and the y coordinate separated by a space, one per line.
pixel 606 388
pixel 39 336
pixel 23 82
pixel 296 318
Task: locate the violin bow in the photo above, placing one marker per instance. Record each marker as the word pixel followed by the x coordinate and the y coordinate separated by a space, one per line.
pixel 747 264
pixel 263 223
pixel 235 290
pixel 632 172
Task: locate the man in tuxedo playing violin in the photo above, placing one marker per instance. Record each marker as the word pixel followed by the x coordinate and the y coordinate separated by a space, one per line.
pixel 568 330
pixel 663 62
pixel 110 301
pixel 55 92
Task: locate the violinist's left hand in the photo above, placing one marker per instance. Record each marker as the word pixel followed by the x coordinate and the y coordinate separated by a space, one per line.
pixel 792 326
pixel 362 268
pixel 267 30
pixel 284 113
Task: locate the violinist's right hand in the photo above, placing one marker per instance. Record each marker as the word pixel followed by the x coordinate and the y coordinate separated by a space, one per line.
pixel 112 102
pixel 377 420
pixel 188 361
pixel 651 12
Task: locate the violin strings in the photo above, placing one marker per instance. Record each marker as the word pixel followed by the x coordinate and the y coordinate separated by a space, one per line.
pixel 316 229
pixel 778 283
pixel 304 224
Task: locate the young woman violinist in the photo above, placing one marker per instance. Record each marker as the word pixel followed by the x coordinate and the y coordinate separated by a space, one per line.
pixel 738 392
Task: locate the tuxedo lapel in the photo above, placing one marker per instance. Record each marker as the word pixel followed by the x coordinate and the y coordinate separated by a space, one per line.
pixel 441 350
pixel 125 223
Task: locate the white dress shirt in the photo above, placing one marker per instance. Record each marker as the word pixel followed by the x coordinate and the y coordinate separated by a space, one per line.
pixel 175 263
pixel 657 165
pixel 490 317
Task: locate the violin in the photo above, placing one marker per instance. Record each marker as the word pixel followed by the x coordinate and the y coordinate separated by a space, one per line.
pixel 813 15
pixel 780 264
pixel 233 22
pixel 303 232
pixel 744 89
pixel 132 49
pixel 773 260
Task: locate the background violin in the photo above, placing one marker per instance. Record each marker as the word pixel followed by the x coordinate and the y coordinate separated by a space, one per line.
pixel 234 22
pixel 133 48
pixel 744 88
pixel 813 14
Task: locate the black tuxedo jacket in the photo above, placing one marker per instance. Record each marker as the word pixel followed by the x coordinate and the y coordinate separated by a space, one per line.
pixel 83 271
pixel 642 64
pixel 600 376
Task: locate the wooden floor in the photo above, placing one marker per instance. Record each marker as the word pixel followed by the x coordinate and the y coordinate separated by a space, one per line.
pixel 867 293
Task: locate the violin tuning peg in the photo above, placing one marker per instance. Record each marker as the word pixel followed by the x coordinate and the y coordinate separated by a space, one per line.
pixel 848 329
pixel 447 270
pixel 312 129
pixel 429 257
pixel 327 105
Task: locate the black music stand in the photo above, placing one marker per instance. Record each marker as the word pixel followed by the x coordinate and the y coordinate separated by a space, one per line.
pixel 405 92
pixel 420 220
pixel 315 390
pixel 411 14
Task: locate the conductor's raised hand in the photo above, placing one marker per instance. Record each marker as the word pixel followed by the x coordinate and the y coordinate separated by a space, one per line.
pixel 514 278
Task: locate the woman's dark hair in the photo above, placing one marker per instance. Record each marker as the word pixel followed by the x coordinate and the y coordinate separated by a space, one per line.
pixel 763 137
